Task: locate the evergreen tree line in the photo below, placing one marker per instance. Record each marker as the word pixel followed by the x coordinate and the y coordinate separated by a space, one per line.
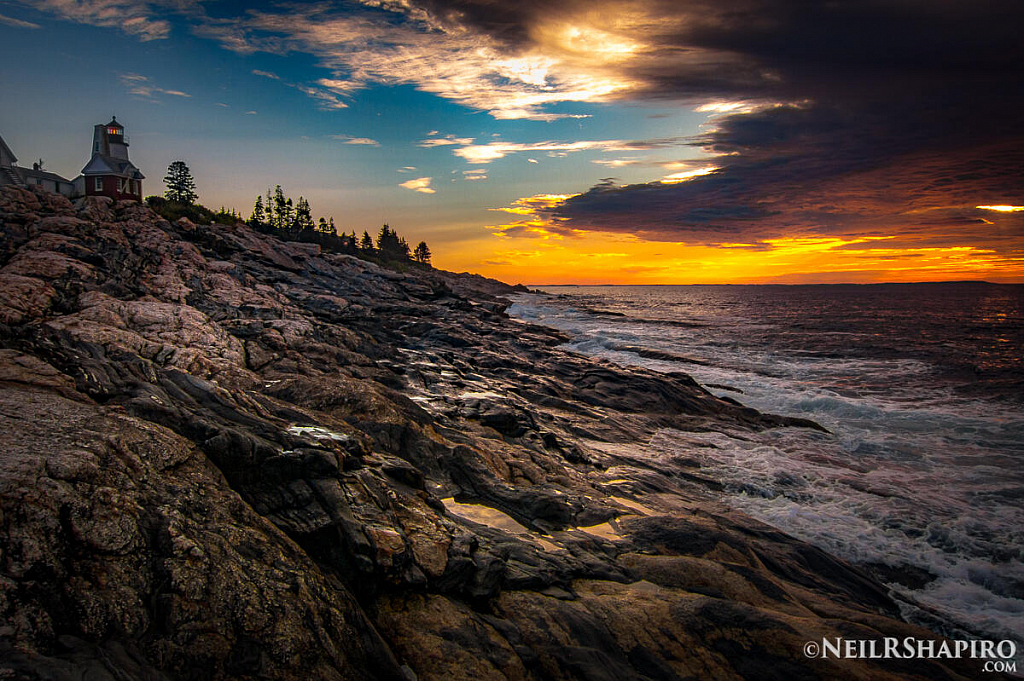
pixel 277 213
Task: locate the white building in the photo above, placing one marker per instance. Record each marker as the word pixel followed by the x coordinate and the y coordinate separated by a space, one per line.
pixel 11 173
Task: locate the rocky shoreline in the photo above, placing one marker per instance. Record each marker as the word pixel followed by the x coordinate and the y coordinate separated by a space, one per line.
pixel 223 456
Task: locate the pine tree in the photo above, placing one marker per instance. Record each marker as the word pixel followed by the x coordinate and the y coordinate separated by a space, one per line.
pixel 181 188
pixel 366 243
pixel 422 253
pixel 303 215
pixel 288 219
pixel 279 208
pixel 258 216
pixel 321 226
pixel 391 245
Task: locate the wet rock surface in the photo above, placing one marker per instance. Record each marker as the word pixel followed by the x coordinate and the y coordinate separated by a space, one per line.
pixel 227 457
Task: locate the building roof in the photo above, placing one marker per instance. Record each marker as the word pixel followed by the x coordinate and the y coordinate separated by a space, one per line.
pixel 42 175
pixel 108 165
pixel 114 124
pixel 7 151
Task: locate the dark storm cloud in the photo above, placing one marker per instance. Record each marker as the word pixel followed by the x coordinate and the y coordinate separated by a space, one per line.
pixel 821 170
pixel 888 116
pixel 770 46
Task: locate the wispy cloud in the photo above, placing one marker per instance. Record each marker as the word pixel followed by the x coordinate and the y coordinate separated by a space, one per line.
pixel 141 86
pixel 447 140
pixel 348 139
pixel 402 43
pixel 327 96
pixel 492 151
pixel 140 19
pixel 474 174
pixel 420 184
pixel 324 98
pixel 517 67
pixel 17 23
pixel 617 162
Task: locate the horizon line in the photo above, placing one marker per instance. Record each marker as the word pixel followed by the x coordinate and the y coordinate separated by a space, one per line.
pixel 834 283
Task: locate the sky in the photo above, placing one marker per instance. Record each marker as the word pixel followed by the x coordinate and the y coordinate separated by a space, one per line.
pixel 576 141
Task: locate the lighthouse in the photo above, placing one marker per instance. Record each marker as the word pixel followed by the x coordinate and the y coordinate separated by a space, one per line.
pixel 110 172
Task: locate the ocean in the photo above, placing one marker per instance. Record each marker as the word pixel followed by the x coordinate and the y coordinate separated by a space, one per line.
pixel 921 479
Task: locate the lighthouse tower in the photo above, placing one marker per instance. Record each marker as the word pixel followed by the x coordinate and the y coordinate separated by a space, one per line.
pixel 109 172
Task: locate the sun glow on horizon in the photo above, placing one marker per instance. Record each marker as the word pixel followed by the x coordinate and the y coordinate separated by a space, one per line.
pixel 538 249
pixel 541 247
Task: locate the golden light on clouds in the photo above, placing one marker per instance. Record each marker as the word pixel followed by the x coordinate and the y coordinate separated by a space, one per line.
pixel 543 200
pixel 492 151
pixel 1003 208
pixel 590 42
pixel 531 70
pixel 726 107
pixel 579 57
pixel 534 226
pixel 420 184
pixel 675 178
pixel 530 205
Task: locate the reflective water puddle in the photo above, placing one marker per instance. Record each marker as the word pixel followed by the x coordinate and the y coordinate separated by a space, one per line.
pixel 633 505
pixel 608 530
pixel 492 517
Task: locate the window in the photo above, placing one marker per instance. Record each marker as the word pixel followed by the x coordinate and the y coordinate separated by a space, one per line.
pixel 114 131
pixel 98 184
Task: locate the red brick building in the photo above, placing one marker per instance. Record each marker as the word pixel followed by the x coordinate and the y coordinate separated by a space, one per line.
pixel 109 172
